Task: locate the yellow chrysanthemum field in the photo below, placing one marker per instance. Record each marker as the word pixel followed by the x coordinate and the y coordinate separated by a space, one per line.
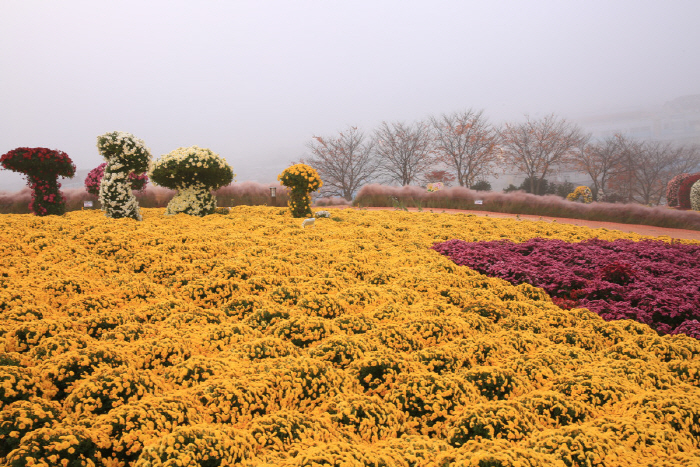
pixel 244 339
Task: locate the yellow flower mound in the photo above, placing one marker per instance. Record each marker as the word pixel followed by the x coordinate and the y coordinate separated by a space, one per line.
pixel 247 339
pixel 581 193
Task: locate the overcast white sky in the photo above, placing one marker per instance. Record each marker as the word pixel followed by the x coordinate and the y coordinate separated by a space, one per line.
pixel 255 80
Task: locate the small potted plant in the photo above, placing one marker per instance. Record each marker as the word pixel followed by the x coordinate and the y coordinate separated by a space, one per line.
pixel 194 172
pixel 42 168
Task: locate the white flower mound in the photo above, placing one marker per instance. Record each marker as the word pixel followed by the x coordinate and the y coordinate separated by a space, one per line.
pixel 116 197
pixel 695 196
pixel 199 157
pixel 194 200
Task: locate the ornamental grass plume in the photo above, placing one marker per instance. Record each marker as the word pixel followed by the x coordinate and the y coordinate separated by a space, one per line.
pixel 372 195
pixel 302 180
pixel 125 154
pixel 42 168
pixel 193 172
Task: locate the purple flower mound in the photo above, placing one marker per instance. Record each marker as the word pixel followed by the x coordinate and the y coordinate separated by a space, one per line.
pixel 651 281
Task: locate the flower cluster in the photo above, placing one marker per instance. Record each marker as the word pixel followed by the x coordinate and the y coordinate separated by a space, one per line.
pixel 695 196
pixel 434 186
pixel 684 188
pixel 672 189
pixel 125 154
pixel 42 167
pixel 617 280
pixel 581 194
pixel 94 179
pixel 302 180
pixel 194 172
pixel 243 340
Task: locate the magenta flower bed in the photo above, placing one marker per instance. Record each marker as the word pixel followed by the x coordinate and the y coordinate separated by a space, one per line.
pixel 652 282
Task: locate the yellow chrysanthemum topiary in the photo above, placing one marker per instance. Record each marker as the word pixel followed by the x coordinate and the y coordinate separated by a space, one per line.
pixel 582 194
pixel 302 180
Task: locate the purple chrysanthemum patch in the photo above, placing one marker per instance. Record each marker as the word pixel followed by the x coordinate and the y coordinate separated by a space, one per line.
pixel 651 281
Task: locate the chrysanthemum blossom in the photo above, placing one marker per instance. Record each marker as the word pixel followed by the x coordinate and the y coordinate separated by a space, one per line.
pixel 193 172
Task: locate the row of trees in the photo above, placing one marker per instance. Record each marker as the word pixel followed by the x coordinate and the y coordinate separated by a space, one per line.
pixel 465 148
pixel 626 170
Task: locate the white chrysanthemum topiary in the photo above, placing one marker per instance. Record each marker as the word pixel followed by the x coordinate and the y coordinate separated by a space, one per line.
pixel 125 154
pixel 695 196
pixel 193 172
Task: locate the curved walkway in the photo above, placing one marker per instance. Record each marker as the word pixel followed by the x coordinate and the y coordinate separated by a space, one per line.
pixel 634 228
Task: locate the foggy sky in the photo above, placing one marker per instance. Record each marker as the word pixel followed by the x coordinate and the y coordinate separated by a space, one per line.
pixel 255 80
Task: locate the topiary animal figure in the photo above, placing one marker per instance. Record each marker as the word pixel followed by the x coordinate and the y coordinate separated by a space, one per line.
pixel 42 167
pixel 125 154
pixel 193 172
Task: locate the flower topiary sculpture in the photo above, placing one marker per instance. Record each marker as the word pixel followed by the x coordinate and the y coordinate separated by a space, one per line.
pixel 193 172
pixel 582 194
pixel 684 190
pixel 301 179
pixel 695 196
pixel 42 167
pixel 672 189
pixel 94 178
pixel 125 154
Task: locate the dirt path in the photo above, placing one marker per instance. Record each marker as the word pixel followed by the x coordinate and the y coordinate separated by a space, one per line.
pixel 634 228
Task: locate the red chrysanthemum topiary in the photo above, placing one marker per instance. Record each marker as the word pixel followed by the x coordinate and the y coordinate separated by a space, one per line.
pixel 42 166
pixel 94 178
pixel 672 190
pixel 684 190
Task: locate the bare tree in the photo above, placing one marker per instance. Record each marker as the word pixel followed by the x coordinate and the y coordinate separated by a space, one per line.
pixel 536 147
pixel 636 171
pixel 403 151
pixel 601 161
pixel 688 159
pixel 652 164
pixel 344 162
pixel 466 142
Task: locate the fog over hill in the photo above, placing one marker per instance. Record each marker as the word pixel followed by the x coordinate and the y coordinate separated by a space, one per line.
pixel 255 81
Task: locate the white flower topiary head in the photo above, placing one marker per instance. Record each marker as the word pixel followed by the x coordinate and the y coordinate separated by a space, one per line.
pixel 193 166
pixel 124 151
